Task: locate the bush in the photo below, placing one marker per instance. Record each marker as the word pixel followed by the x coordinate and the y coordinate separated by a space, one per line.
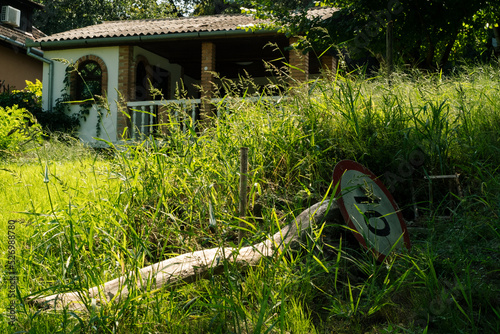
pixel 17 126
pixel 30 98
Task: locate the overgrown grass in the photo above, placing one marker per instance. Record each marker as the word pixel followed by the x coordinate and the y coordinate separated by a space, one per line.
pixel 99 217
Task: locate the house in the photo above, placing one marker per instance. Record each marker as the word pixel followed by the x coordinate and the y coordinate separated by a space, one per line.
pixel 122 59
pixel 18 63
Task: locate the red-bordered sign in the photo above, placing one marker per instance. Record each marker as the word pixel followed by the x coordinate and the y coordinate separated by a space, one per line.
pixel 369 209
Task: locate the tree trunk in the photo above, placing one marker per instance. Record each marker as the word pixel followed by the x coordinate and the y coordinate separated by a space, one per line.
pixel 447 50
pixel 389 47
pixel 190 267
pixel 429 57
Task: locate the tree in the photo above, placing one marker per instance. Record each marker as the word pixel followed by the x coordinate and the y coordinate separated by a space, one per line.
pixel 425 31
pixel 207 7
pixel 63 15
pixel 287 16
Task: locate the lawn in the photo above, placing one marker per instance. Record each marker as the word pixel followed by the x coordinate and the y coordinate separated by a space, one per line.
pixel 80 217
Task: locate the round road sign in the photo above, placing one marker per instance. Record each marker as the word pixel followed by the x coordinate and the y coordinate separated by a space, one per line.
pixel 369 209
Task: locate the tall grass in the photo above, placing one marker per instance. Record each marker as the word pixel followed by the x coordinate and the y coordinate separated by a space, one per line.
pixel 99 217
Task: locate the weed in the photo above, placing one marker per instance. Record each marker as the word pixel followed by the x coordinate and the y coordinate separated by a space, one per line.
pixel 103 216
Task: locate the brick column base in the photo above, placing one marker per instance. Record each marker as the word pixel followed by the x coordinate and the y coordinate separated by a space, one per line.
pixel 125 88
pixel 329 66
pixel 299 62
pixel 207 77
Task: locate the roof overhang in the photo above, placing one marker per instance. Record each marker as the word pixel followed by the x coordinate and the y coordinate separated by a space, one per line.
pixel 127 40
pixel 167 29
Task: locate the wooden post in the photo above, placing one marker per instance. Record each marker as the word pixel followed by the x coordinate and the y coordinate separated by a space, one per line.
pixel 243 190
pixel 389 48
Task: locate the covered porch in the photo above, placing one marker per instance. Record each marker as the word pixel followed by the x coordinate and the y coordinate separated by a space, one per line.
pixel 152 95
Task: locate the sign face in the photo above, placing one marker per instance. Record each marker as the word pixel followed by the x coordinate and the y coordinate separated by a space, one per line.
pixel 369 209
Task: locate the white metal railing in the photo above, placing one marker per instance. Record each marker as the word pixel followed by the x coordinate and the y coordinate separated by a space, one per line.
pixel 145 114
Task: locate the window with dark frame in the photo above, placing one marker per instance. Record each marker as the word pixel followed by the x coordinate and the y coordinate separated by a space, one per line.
pixel 89 80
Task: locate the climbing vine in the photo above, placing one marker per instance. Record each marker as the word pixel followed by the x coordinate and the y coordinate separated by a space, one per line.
pixel 64 102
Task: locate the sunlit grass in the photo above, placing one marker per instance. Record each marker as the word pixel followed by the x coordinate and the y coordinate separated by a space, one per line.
pixel 99 217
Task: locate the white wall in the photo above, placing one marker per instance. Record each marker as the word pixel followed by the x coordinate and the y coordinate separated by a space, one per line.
pixel 61 60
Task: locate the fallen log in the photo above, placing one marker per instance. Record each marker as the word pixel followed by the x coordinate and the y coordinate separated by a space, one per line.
pixel 189 267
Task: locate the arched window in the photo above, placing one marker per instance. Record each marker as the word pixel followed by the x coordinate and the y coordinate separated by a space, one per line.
pixel 90 79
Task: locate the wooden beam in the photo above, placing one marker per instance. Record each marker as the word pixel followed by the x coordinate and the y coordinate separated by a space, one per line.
pixel 190 267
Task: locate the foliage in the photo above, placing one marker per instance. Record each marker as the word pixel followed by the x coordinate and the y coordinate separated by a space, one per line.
pixel 62 15
pixel 290 17
pixel 17 127
pixel 425 32
pixel 57 120
pixel 29 98
pixel 100 216
pixel 210 7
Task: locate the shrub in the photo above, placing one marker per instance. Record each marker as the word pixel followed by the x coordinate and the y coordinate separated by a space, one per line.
pixel 17 126
pixel 30 98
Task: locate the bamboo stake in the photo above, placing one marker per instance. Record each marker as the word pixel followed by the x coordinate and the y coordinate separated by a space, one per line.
pixel 243 191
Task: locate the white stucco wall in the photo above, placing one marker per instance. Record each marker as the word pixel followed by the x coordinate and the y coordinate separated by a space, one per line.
pixel 109 55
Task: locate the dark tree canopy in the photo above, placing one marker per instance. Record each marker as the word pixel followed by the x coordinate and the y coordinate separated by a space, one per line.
pixel 426 32
pixel 209 7
pixel 62 15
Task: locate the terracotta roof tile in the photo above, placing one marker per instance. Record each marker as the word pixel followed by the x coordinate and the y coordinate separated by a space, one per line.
pixel 37 33
pixel 321 12
pixel 154 27
pixel 166 26
pixel 18 35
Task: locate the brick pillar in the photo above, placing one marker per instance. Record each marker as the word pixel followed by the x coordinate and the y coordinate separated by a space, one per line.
pixel 125 86
pixel 299 62
pixel 207 77
pixel 329 65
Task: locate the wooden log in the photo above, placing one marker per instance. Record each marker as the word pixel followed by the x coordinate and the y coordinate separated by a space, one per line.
pixel 189 267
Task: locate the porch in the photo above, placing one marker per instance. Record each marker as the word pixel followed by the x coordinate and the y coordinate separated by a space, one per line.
pixel 149 119
pixel 196 66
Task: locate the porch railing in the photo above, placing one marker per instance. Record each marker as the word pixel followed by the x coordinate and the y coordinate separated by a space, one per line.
pixel 147 116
